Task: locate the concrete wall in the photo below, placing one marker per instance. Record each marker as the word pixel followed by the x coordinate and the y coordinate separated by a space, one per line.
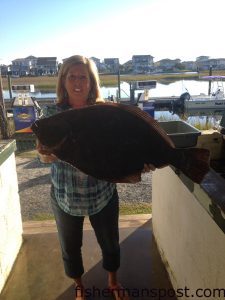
pixel 10 216
pixel 191 244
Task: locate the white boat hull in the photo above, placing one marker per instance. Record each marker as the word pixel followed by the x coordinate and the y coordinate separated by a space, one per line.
pixel 215 100
pixel 205 103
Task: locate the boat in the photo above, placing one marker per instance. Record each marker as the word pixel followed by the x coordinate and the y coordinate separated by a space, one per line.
pixel 215 99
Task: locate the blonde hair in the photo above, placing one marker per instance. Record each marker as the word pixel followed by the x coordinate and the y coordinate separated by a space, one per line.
pixel 94 94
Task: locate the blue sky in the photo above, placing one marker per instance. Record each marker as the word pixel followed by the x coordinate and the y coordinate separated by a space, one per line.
pixel 171 29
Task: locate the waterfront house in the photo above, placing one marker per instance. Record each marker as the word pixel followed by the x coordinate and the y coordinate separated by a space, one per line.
pixel 102 68
pixel 3 70
pixel 32 65
pixel 127 67
pixel 189 65
pixel 167 65
pixel 47 66
pixel 204 63
pixel 24 66
pixel 111 64
pixel 142 64
pixel 96 61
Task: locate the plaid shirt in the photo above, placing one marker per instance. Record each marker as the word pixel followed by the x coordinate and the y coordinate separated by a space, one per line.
pixel 76 193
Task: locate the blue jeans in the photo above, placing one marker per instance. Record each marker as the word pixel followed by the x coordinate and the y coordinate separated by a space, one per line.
pixel 70 232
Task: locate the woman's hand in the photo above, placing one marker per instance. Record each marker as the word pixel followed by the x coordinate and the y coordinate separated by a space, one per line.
pixel 47 159
pixel 43 149
pixel 45 153
pixel 148 168
pixel 135 178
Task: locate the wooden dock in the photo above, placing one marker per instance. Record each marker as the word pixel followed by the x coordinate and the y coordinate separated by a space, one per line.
pixel 159 101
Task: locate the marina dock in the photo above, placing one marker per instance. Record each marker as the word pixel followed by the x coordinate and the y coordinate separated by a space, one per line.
pixel 159 101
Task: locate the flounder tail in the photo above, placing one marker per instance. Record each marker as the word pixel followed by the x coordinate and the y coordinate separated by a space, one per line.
pixel 194 163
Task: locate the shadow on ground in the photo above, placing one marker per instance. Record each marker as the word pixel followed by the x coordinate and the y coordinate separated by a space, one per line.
pixel 38 272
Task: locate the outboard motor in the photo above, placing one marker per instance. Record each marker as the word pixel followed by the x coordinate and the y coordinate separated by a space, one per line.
pixel 185 96
pixel 178 104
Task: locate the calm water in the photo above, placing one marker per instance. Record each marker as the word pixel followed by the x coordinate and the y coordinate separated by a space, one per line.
pixel 200 119
pixel 162 90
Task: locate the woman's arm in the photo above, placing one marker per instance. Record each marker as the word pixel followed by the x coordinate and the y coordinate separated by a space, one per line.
pixel 148 168
pixel 44 153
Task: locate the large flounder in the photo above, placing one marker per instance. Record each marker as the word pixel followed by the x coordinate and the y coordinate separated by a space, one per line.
pixel 112 141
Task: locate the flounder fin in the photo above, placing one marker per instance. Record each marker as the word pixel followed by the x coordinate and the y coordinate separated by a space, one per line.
pixel 132 178
pixel 196 163
pixel 148 119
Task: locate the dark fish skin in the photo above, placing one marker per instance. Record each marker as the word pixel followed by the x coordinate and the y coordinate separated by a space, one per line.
pixel 112 141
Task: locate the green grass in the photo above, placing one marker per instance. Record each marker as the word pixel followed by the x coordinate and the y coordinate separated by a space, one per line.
pixel 203 125
pixel 134 209
pixel 125 209
pixel 168 118
pixel 27 154
pixel 42 217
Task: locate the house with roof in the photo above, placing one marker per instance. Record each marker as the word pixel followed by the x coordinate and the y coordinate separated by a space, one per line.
pixel 46 66
pixel 127 67
pixel 204 63
pixel 97 61
pixel 189 65
pixel 32 65
pixel 100 65
pixel 112 64
pixel 167 64
pixel 23 66
pixel 142 64
pixel 3 70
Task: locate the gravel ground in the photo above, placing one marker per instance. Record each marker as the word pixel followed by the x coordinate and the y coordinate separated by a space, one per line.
pixel 34 189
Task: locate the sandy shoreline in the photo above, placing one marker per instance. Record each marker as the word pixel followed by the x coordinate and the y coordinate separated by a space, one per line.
pixel 34 189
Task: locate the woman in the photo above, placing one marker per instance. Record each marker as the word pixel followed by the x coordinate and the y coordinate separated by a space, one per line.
pixel 76 195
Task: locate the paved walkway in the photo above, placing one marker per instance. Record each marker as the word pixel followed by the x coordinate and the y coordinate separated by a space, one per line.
pixel 38 272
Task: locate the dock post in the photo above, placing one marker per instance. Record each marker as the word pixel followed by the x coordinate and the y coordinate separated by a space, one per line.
pixel 118 77
pixel 210 74
pixel 3 117
pixel 9 73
